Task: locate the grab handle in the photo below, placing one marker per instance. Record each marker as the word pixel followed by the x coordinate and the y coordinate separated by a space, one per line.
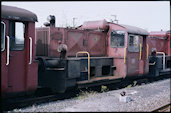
pixel 147 50
pixel 88 61
pixel 124 55
pixel 140 52
pixel 30 50
pixel 7 50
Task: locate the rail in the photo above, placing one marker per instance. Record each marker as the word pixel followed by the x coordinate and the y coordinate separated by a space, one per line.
pixel 88 61
pixel 163 58
pixel 162 108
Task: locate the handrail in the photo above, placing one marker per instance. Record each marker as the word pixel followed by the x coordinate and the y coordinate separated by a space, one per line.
pixel 30 61
pixel 88 61
pixel 140 52
pixel 147 50
pixel 163 58
pixel 7 50
pixel 124 55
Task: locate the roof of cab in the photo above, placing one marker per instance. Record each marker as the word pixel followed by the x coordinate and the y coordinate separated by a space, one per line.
pixel 15 13
pixel 135 30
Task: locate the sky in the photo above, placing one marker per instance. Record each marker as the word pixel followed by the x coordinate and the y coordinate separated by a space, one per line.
pixel 149 15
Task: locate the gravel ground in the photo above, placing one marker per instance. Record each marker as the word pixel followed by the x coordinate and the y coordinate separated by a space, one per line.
pixel 143 98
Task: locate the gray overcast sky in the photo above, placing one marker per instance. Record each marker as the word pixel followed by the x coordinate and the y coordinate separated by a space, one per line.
pixel 150 15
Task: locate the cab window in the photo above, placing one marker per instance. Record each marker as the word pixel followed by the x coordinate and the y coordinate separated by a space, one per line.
pixel 117 39
pixel 16 33
pixel 2 36
pixel 133 43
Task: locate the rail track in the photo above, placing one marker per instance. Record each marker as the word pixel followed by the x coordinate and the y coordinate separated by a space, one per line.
pixel 21 102
pixel 18 103
pixel 163 108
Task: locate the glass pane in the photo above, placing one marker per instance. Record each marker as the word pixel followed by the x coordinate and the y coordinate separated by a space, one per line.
pixel 131 40
pixel 19 33
pixel 16 33
pixel 133 43
pixel 117 38
pixel 2 36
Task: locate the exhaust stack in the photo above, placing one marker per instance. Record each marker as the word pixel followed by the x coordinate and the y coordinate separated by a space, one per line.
pixel 51 21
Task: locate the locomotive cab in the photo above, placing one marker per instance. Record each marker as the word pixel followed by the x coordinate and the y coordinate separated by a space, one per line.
pixel 18 68
pixel 128 47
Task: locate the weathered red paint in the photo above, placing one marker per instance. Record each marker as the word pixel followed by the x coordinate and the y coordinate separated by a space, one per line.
pixel 19 76
pixel 31 69
pixel 117 53
pixel 94 37
pixel 4 68
pixel 76 40
pixel 160 41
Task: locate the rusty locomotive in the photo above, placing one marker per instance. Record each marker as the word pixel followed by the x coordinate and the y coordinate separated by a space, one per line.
pixel 95 53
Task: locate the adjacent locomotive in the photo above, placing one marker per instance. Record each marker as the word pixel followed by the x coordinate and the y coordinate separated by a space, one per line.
pixel 95 53
pixel 18 67
pixel 160 42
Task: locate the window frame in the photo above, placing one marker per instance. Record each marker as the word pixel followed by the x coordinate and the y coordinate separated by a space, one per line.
pixel 131 48
pixel 119 45
pixel 4 34
pixel 10 34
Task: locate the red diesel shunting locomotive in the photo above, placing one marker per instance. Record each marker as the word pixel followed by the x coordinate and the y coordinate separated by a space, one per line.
pixel 114 53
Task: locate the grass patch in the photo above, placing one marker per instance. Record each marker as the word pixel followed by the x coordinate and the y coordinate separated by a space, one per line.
pixel 84 94
pixel 104 88
pixel 132 84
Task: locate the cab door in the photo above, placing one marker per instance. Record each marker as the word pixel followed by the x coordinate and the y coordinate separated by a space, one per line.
pixel 133 55
pixel 137 55
pixel 143 56
pixel 17 56
pixel 4 69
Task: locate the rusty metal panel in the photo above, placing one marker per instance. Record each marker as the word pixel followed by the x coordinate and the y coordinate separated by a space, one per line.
pixel 158 44
pixel 121 68
pixel 75 42
pixel 42 45
pixel 159 40
pixel 133 64
pixel 96 44
pixel 95 25
pixel 56 36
